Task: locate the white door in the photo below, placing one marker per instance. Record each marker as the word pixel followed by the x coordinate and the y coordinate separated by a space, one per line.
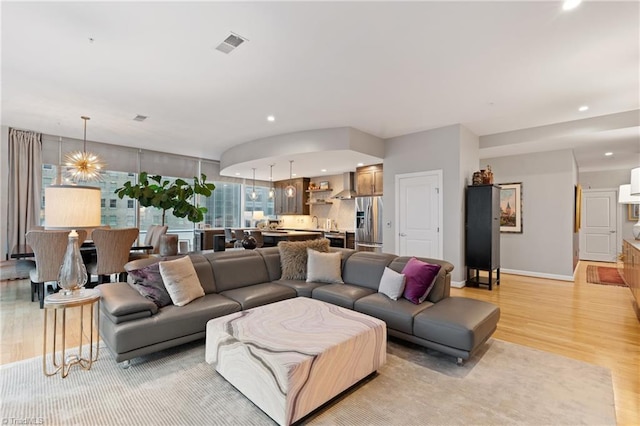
pixel 598 228
pixel 419 214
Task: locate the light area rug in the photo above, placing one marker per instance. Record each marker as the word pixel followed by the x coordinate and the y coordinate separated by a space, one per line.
pixel 504 384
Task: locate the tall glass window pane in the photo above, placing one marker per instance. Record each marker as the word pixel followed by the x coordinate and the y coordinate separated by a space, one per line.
pixel 223 206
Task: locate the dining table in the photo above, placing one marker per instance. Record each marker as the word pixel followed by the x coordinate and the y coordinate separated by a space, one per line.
pixel 87 249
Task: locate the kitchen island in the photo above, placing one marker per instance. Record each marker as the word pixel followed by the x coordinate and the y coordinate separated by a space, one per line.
pixel 272 238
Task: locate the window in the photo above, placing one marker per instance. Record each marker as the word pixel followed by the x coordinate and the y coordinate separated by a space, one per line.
pixel 129 204
pixel 120 212
pixel 223 207
pixel 261 204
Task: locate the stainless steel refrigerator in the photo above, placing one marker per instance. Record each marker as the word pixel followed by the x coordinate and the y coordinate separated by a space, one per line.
pixel 368 226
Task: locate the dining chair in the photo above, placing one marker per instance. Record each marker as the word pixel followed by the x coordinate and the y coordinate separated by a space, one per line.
pixel 154 233
pixel 257 234
pixel 229 239
pixel 113 247
pixel 49 248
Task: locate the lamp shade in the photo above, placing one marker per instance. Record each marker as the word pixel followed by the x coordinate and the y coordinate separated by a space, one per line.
pixel 635 181
pixel 71 207
pixel 625 197
pixel 258 215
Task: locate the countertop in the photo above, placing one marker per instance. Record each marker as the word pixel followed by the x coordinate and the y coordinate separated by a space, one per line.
pixel 635 243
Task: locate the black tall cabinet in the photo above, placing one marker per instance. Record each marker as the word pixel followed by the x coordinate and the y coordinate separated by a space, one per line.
pixel 482 223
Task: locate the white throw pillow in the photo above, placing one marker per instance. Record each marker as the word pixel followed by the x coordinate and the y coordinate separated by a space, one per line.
pixel 391 284
pixel 323 267
pixel 181 281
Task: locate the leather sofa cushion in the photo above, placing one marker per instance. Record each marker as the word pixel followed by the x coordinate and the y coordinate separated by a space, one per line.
pixel 236 269
pixel 398 314
pixel 171 322
pixel 365 269
pixel 271 256
pixel 119 300
pixel 302 288
pixel 458 322
pixel 259 294
pixel 343 295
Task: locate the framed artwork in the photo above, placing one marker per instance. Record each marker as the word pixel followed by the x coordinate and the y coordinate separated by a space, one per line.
pixel 633 212
pixel 324 184
pixel 511 207
pixel 577 209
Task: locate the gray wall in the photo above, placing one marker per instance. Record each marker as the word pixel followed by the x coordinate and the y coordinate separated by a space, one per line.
pixel 545 247
pixel 452 149
pixel 611 179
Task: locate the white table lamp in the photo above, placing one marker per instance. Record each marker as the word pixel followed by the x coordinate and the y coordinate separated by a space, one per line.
pixel 625 197
pixel 72 207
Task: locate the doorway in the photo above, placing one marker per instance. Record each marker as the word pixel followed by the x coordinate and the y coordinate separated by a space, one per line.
pixel 598 230
pixel 419 214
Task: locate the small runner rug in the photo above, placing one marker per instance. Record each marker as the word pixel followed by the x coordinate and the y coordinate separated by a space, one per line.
pixel 604 275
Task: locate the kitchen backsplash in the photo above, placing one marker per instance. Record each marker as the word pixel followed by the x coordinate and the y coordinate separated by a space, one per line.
pixel 343 212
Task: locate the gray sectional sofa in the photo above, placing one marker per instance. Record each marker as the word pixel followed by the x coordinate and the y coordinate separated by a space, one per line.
pixel 132 325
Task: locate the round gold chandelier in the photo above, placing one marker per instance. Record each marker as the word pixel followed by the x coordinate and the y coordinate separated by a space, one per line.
pixel 83 165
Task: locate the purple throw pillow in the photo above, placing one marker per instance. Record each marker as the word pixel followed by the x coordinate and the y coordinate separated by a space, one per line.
pixel 148 282
pixel 420 278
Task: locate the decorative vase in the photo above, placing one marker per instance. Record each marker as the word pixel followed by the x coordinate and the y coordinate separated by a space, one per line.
pixel 249 243
pixel 168 245
pixel 72 274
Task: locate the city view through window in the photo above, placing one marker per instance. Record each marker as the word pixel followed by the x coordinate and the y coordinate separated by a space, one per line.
pixel 227 207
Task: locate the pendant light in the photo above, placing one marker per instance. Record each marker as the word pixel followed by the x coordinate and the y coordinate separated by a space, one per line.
pixel 254 194
pixel 290 190
pixel 82 165
pixel 272 190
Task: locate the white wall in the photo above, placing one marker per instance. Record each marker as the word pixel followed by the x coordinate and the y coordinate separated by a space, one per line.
pixel 545 247
pixel 452 149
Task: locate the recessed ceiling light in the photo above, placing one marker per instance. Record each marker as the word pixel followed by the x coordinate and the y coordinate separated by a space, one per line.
pixel 360 164
pixel 583 108
pixel 570 4
pixel 323 170
pixel 608 154
pixel 293 174
pixel 271 118
pixel 237 174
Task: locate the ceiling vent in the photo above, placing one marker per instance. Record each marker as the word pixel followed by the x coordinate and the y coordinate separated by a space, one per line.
pixel 139 117
pixel 230 43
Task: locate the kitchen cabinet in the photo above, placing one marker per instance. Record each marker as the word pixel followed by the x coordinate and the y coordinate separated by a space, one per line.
pixel 482 225
pixel 292 205
pixel 369 180
pixel 631 256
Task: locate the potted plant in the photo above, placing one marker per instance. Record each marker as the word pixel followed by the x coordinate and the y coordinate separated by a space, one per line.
pixel 153 191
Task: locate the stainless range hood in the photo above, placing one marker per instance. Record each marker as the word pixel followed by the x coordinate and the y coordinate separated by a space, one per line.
pixel 348 192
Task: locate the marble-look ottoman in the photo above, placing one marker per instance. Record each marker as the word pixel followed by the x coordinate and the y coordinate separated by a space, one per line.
pixel 292 356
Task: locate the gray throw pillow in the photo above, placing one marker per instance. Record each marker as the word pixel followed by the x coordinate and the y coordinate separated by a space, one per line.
pixel 148 282
pixel 293 257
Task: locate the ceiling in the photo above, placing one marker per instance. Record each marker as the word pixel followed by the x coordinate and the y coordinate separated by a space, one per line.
pixel 385 68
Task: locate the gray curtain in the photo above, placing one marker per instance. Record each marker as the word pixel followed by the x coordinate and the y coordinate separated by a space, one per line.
pixel 25 182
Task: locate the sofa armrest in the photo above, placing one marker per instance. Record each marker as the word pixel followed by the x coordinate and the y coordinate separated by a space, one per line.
pixel 120 302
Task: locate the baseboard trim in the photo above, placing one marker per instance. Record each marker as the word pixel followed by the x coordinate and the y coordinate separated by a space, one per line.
pixel 538 274
pixel 457 284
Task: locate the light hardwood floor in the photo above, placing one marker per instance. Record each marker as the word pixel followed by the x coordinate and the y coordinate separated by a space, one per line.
pixel 589 322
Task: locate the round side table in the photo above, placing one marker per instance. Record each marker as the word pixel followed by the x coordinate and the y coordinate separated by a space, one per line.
pixel 63 361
